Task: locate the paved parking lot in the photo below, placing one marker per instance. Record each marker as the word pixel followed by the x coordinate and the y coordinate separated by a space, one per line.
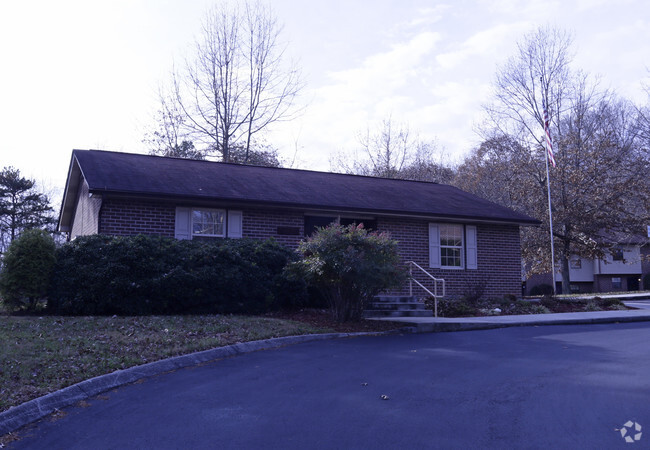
pixel 534 387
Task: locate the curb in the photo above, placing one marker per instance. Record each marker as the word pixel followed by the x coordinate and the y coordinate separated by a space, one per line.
pixel 33 410
pixel 434 327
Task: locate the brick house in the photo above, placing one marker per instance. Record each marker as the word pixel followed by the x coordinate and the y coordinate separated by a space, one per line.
pixel 457 236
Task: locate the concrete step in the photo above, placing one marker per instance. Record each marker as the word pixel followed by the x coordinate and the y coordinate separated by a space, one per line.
pixel 395 299
pixel 397 313
pixel 396 306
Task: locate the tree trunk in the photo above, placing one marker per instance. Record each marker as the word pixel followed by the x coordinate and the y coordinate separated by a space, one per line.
pixel 566 279
pixel 564 263
pixel 225 150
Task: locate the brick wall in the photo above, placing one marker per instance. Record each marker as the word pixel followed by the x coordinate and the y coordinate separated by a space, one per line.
pixel 121 217
pixel 264 223
pixel 499 257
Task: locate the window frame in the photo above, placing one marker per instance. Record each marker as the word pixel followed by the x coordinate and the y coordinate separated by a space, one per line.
pixel 205 235
pixel 458 231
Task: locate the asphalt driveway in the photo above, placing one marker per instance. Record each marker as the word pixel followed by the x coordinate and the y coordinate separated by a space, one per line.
pixel 528 387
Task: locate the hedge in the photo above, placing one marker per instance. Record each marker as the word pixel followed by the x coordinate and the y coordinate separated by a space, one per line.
pixel 101 275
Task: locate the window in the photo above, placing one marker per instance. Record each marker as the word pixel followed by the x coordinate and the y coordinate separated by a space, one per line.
pixel 208 222
pixel 197 223
pixel 617 254
pixel 575 264
pixel 617 284
pixel 452 246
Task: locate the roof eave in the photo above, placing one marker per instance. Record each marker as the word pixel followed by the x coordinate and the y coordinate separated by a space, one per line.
pixel 69 195
pixel 317 207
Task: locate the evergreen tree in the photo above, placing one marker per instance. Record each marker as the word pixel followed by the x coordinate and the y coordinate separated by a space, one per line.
pixel 21 206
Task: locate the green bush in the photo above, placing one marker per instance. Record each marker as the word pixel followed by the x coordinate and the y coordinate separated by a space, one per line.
pixel 541 289
pixel 26 271
pixel 155 275
pixel 349 266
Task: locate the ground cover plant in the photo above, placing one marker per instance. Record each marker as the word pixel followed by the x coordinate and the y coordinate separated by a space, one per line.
pixel 42 354
pixel 469 307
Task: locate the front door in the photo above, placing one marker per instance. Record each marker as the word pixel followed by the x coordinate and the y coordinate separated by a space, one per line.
pixel 633 283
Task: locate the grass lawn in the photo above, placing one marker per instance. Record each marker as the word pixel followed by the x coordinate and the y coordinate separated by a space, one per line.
pixel 39 355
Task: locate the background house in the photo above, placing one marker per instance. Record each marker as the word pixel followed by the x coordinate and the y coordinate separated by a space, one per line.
pixel 468 241
pixel 624 267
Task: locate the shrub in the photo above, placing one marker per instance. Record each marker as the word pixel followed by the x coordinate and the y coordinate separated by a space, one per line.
pixel 609 303
pixel 349 266
pixel 453 307
pixel 155 275
pixel 28 265
pixel 541 289
pixel 473 291
pixel 538 309
pixel 549 302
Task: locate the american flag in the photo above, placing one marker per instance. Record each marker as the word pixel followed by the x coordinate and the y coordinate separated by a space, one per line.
pixel 547 132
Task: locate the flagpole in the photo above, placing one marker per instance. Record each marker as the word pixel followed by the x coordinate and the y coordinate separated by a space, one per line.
pixel 550 221
pixel 549 156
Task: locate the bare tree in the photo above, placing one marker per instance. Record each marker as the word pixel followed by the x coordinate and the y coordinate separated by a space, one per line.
pixel 429 163
pixel 391 150
pixel 601 168
pixel 167 137
pixel 538 72
pixel 387 149
pixel 236 84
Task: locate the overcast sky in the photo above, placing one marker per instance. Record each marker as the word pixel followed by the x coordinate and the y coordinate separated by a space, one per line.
pixel 84 74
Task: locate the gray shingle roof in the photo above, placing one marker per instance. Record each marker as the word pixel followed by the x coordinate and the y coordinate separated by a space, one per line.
pixel 145 175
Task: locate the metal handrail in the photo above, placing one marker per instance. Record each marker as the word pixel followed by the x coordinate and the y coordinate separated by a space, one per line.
pixel 433 294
